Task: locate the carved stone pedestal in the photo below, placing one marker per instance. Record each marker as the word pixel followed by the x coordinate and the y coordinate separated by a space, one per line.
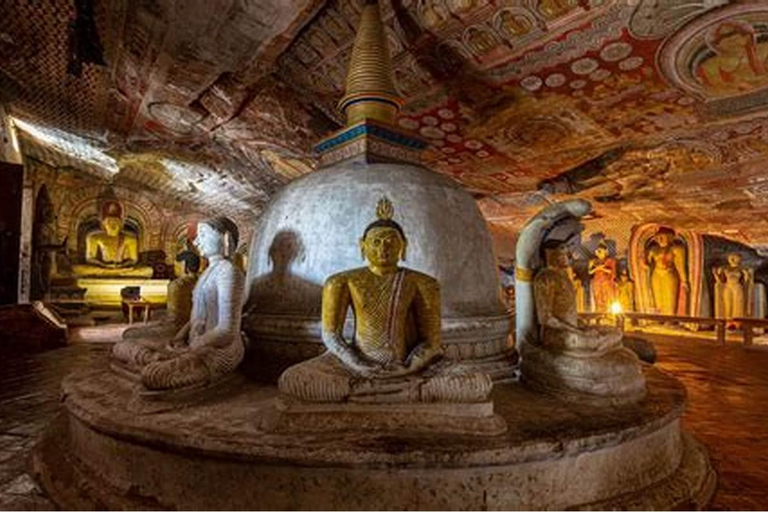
pixel 216 455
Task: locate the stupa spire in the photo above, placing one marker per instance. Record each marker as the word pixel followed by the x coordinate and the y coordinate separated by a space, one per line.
pixel 370 90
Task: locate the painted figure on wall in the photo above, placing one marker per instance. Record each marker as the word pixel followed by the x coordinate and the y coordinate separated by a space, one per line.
pixel 740 63
pixel 602 269
pixel 665 260
pixel 733 289
pixel 625 292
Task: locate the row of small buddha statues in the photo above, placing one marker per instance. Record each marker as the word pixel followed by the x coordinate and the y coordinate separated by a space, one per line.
pixel 396 353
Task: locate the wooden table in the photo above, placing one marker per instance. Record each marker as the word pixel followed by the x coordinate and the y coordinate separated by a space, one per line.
pixel 141 304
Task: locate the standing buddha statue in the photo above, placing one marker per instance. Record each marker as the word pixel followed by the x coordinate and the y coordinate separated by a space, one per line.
pixel 668 274
pixel 733 288
pixel 602 268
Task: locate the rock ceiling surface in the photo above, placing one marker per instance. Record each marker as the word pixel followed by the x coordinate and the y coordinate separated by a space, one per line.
pixel 653 110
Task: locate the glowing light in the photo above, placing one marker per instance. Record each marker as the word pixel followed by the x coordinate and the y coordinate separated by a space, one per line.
pixel 14 136
pixel 74 146
pixel 615 308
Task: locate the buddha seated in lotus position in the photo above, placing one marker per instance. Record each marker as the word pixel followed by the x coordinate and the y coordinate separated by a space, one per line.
pixel 396 355
pixel 567 359
pixel 209 346
pixel 112 252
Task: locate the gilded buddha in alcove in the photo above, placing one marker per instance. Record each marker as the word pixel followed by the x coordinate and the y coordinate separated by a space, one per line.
pixel 112 251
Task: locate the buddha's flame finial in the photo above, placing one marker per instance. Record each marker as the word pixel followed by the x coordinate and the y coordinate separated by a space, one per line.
pixel 384 209
pixel 370 91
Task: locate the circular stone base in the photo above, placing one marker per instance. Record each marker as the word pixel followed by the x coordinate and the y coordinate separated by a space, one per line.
pixel 212 455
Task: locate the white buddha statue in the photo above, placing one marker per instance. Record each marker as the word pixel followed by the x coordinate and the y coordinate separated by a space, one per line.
pixel 209 346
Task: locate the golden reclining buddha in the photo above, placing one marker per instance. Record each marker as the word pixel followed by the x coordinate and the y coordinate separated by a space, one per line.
pixel 112 251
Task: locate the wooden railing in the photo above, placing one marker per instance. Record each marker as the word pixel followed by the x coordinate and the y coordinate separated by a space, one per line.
pixel 747 326
pixel 718 323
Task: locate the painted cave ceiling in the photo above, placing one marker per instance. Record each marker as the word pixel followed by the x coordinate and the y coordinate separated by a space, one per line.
pixel 654 110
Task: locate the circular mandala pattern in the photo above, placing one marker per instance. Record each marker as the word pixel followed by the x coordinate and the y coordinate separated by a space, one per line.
pixel 584 66
pixel 631 63
pixel 408 123
pixel 448 150
pixel 446 113
pixel 531 83
pixel 430 121
pixel 615 51
pixel 599 75
pixel 578 84
pixel 448 127
pixel 452 137
pixel 555 80
pixel 432 132
pixel 473 144
pixel 483 154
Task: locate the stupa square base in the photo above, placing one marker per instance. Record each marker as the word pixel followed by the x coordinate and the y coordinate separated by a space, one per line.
pixel 215 455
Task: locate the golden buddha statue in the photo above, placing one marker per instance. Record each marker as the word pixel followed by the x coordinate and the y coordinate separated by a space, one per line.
pixel 112 252
pixel 669 278
pixel 733 288
pixel 395 355
pixel 570 360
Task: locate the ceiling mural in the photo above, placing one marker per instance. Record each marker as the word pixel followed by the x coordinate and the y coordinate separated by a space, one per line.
pixel 655 111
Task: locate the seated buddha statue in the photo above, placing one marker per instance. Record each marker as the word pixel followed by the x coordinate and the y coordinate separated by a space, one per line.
pixel 179 307
pixel 568 359
pixel 112 251
pixel 209 346
pixel 396 353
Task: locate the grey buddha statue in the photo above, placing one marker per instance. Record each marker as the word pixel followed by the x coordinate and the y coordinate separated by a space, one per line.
pixel 569 360
pixel 396 353
pixel 209 346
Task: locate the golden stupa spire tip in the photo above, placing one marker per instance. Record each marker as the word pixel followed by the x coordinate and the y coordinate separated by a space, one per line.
pixel 370 91
pixel 384 209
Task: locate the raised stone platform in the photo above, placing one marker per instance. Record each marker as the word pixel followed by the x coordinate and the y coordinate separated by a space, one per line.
pixel 106 291
pixel 214 455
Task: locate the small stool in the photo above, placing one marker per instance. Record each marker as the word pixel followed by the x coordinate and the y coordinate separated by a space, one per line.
pixel 139 303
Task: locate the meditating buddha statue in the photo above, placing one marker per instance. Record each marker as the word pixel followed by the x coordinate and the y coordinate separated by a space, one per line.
pixel 396 353
pixel 570 360
pixel 112 251
pixel 209 346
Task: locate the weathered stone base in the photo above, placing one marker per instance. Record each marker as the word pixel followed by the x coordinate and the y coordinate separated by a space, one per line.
pixel 290 417
pixel 214 455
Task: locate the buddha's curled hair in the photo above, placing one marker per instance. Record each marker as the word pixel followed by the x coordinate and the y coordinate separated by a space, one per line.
pixel 228 228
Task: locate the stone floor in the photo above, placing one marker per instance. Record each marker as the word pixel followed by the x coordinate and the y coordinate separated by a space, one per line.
pixel 728 392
